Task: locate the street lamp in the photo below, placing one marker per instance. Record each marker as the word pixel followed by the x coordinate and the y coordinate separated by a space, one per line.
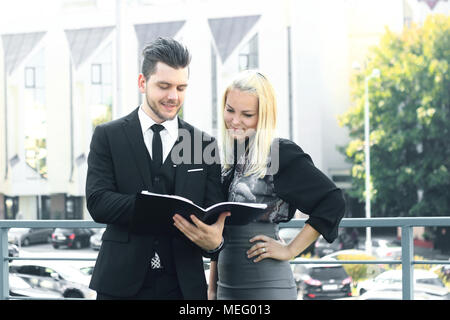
pixel 375 74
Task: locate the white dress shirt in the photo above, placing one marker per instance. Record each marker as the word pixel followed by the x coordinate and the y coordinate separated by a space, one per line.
pixel 168 136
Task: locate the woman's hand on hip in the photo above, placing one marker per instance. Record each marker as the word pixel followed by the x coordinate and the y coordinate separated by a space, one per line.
pixel 267 247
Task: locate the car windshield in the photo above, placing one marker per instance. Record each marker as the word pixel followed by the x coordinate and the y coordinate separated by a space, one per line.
pixel 392 244
pixel 62 230
pixel 328 273
pixel 386 243
pixel 19 230
pixel 389 277
pixel 431 281
pixel 69 273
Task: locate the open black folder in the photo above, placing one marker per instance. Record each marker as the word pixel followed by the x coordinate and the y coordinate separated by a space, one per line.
pixel 154 211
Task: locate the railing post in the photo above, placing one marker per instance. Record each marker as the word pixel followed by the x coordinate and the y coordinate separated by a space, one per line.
pixel 407 263
pixel 4 264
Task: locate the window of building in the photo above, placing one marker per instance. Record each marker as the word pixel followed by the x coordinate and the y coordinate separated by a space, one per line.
pixel 248 56
pixel 35 117
pixel 101 79
pixel 96 73
pixel 11 207
pixel 46 207
pixel 74 207
pixel 30 77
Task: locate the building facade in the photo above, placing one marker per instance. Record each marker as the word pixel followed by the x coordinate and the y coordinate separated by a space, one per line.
pixel 73 64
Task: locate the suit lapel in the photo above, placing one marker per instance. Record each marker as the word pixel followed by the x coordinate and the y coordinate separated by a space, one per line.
pixel 133 130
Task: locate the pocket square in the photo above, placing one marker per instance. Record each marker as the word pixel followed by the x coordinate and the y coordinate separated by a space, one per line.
pixel 194 170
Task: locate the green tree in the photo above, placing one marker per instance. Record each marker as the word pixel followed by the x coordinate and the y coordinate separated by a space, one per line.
pixel 409 122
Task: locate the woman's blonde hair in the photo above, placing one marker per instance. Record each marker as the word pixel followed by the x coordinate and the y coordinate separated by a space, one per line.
pixel 253 82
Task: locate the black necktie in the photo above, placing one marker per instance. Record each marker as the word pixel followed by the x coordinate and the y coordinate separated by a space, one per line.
pixel 157 149
pixel 157 156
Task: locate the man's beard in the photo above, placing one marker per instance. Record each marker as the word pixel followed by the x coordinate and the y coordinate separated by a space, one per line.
pixel 157 112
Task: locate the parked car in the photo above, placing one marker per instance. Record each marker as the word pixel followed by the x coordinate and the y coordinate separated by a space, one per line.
pixel 387 249
pixel 323 247
pixel 26 236
pixel 73 238
pixel 62 277
pixel 18 287
pixel 87 270
pixel 424 281
pixel 96 239
pixel 443 270
pixel 395 293
pixel 85 267
pixel 322 281
pixel 13 250
pixel 372 270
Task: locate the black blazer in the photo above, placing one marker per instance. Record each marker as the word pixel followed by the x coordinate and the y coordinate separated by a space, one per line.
pixel 301 184
pixel 118 169
pixel 304 187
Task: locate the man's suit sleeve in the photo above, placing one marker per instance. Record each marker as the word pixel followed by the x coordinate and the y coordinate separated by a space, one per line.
pixel 104 202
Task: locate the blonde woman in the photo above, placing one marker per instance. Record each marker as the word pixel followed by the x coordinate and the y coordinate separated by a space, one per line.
pixel 254 263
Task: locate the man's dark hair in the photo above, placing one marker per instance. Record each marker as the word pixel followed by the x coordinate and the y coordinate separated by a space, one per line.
pixel 166 50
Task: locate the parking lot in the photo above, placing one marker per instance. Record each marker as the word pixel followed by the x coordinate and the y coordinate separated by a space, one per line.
pixel 52 279
pixel 88 255
pixel 46 250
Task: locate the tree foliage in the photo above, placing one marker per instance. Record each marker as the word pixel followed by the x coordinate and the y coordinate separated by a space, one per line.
pixel 409 122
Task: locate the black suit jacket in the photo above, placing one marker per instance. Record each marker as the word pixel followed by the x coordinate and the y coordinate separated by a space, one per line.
pixel 118 169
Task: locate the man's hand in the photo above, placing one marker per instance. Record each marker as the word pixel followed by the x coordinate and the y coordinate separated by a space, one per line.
pixel 207 237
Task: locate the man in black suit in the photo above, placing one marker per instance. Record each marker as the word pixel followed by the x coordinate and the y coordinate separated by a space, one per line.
pixel 133 154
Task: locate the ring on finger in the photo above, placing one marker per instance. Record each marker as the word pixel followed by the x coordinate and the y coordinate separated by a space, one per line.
pixel 263 249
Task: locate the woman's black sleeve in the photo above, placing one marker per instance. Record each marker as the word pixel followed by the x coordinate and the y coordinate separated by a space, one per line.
pixel 306 188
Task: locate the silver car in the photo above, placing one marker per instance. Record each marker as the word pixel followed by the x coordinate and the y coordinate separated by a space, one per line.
pixel 425 282
pixel 26 236
pixel 61 276
pixel 18 287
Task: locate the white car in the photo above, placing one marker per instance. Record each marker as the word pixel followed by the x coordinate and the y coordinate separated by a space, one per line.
pixel 61 276
pixel 347 252
pixel 387 249
pixel 425 282
pixel 396 293
pixel 18 287
pixel 372 270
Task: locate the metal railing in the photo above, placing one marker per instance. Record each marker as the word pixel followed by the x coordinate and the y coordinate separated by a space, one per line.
pixel 406 224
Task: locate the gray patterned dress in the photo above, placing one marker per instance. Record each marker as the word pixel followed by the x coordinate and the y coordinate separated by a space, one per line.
pixel 239 278
pixel 296 185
